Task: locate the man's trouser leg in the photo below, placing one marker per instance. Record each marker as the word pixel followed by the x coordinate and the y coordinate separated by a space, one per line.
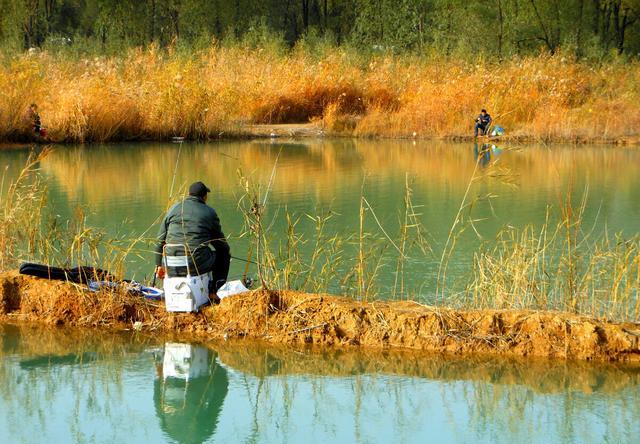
pixel 475 131
pixel 221 269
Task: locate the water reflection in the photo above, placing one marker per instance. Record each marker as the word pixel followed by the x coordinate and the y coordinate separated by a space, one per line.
pixel 142 389
pixel 485 153
pixel 126 187
pixel 47 361
pixel 189 392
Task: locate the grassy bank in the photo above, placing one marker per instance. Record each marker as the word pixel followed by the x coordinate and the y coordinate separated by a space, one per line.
pixel 221 92
pixel 285 317
pixel 552 292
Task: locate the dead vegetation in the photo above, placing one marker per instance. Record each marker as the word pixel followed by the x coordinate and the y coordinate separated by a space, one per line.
pixel 151 94
pixel 299 318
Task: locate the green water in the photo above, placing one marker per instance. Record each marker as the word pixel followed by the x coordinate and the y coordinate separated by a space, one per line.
pixel 125 189
pixel 74 386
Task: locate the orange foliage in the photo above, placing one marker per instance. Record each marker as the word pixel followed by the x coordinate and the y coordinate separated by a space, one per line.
pixel 151 94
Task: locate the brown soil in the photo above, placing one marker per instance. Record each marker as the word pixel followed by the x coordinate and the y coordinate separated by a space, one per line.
pixel 298 318
pixel 287 131
pixel 297 131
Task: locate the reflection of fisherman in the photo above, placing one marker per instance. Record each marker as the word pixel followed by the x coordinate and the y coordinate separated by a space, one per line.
pixel 482 154
pixel 188 409
pixel 196 225
pixel 485 153
pixel 483 122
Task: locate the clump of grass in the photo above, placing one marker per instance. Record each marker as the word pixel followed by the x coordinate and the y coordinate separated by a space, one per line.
pixel 559 266
pixel 332 260
pixel 22 210
pixel 29 231
pixel 155 94
pixel 545 269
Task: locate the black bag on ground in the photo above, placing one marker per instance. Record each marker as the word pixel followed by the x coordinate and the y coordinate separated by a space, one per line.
pixel 79 275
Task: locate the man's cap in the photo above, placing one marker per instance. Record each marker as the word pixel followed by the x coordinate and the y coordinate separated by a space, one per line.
pixel 198 189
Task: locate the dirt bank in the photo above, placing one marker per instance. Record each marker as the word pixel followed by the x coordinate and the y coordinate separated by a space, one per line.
pixel 315 130
pixel 297 318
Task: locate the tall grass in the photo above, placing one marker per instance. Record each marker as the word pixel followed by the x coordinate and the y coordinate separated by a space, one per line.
pixel 350 263
pixel 559 265
pixel 156 94
pixel 31 231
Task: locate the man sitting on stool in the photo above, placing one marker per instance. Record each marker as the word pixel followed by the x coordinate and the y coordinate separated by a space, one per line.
pixel 196 225
pixel 483 122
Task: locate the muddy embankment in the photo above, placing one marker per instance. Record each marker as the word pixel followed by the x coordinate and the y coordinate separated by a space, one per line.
pixel 298 318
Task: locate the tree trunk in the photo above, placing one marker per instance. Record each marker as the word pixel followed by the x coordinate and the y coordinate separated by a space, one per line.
pixel 305 14
pixel 48 14
pixel 500 28
pixel 597 12
pixel 606 24
pixel 546 39
pixel 153 20
pixel 579 33
pixel 29 26
pixel 621 23
pixel 558 31
pixel 175 18
pixel 325 15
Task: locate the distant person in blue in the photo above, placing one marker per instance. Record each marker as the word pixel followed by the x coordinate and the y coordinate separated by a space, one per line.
pixel 483 122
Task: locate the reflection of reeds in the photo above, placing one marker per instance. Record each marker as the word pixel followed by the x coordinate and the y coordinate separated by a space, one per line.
pixel 321 168
pixel 149 93
pixel 275 381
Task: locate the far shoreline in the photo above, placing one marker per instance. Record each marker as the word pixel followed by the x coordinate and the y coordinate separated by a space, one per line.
pixel 303 131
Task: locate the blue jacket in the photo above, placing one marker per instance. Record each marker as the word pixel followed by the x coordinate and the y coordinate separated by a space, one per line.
pixel 484 120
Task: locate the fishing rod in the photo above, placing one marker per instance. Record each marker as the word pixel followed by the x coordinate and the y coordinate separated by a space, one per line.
pixel 248 261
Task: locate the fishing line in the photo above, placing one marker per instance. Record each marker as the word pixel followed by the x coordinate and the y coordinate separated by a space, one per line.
pixel 248 261
pixel 175 171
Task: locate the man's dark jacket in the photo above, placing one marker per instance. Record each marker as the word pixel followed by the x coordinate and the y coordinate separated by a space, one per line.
pixel 193 223
pixel 484 121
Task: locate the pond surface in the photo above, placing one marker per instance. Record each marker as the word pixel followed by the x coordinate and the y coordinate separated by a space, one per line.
pixel 125 189
pixel 77 386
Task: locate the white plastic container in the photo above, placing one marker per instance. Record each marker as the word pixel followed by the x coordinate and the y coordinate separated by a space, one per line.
pixel 186 294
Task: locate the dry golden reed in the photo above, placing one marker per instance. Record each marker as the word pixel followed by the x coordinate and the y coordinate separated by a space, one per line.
pixel 156 94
